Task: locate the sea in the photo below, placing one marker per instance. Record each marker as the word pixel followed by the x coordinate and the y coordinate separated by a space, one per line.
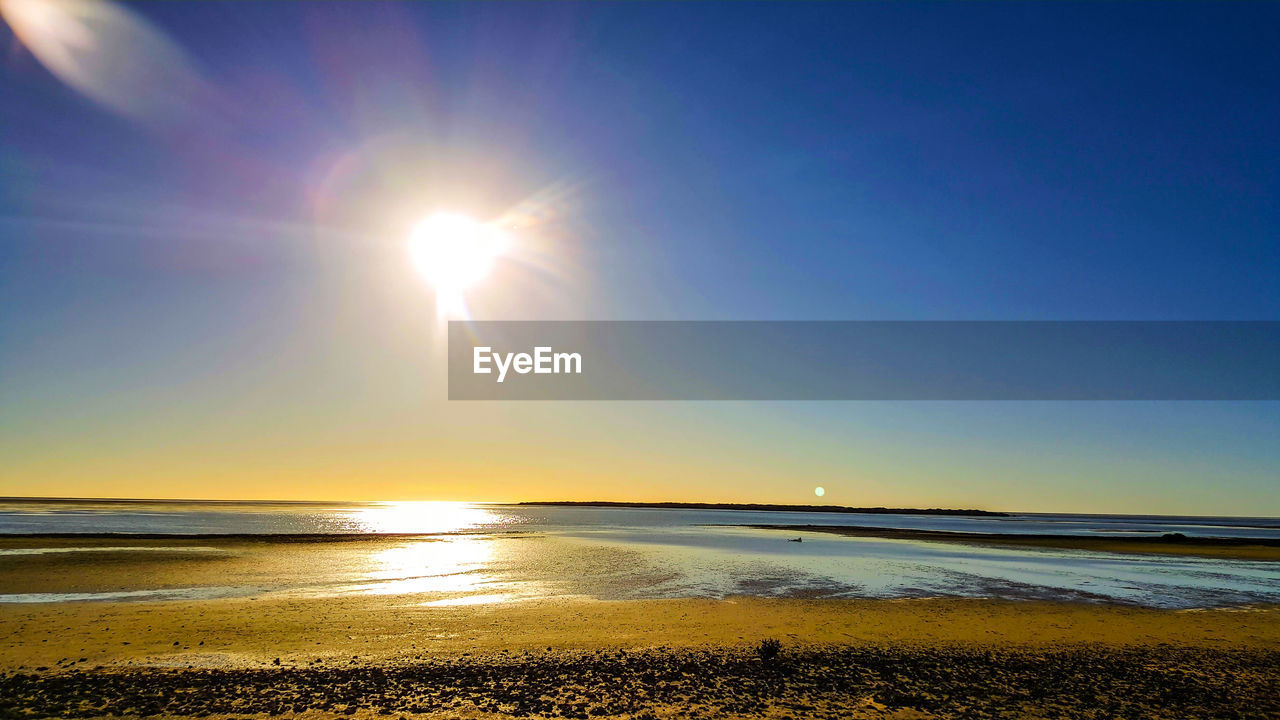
pixel 451 553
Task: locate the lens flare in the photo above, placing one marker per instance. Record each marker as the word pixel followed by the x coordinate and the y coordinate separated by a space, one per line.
pixel 107 53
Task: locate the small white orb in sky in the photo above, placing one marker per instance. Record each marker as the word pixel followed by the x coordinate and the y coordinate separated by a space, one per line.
pixel 819 491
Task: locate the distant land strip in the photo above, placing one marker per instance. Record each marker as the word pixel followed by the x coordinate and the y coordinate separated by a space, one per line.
pixel 40 500
pixel 767 507
pixel 1173 543
pixel 79 538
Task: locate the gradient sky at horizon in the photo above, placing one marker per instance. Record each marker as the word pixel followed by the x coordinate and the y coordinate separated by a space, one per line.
pixel 205 292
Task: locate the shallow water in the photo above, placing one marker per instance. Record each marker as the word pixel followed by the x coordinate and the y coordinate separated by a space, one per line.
pixel 482 554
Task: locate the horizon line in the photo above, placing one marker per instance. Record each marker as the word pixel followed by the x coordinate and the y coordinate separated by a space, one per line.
pixel 637 504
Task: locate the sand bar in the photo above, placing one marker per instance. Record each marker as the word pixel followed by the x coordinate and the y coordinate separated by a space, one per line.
pixel 1227 548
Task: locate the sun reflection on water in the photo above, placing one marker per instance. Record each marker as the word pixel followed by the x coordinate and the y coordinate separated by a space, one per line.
pixel 461 560
pixel 454 565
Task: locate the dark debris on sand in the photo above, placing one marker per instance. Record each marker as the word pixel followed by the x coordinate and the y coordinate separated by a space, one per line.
pixel 1086 682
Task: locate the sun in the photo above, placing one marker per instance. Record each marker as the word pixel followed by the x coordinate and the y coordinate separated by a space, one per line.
pixel 454 252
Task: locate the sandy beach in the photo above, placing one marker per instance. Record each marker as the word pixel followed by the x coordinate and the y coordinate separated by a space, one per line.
pixel 368 655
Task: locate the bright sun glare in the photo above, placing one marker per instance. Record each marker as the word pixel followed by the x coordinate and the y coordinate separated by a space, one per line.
pixel 453 252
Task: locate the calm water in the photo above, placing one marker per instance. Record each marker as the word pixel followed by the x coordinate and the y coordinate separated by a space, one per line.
pixel 493 553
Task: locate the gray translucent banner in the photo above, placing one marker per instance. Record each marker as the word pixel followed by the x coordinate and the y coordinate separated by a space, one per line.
pixel 864 361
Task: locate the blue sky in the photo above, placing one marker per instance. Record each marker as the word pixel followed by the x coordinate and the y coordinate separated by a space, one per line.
pixel 691 161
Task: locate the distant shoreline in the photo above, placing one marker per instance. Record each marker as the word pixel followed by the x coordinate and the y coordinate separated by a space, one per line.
pixel 38 500
pixel 766 508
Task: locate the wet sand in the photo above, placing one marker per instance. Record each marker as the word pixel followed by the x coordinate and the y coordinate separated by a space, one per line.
pixel 392 655
pixel 1266 549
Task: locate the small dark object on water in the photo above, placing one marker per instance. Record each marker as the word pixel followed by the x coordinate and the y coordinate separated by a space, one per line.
pixel 1173 537
pixel 799 539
